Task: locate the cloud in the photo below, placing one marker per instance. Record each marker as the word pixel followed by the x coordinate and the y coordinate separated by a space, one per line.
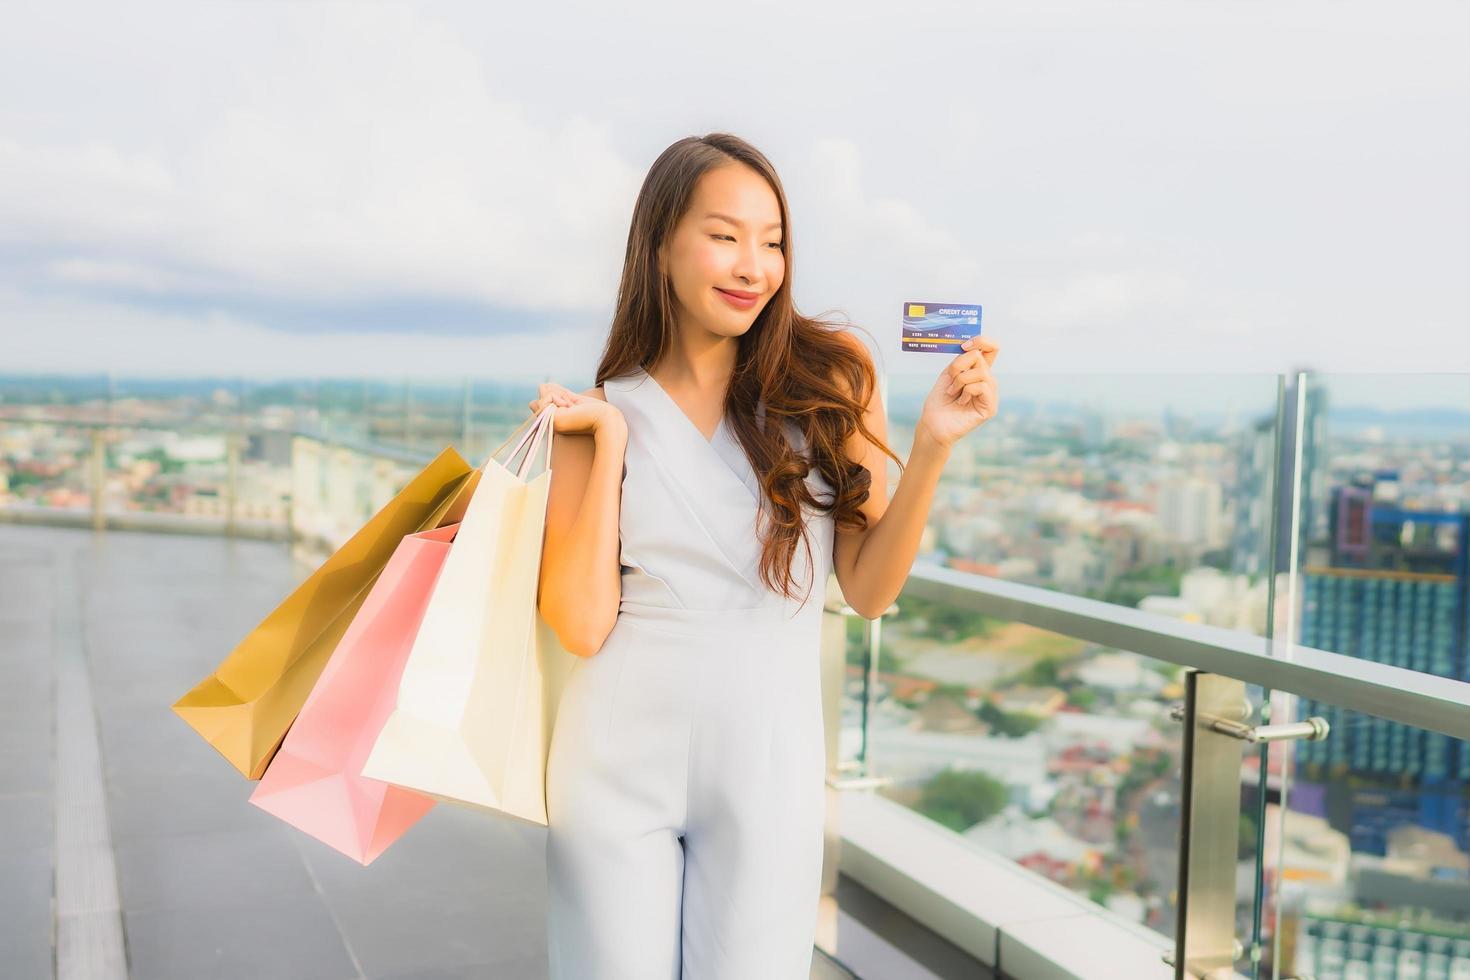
pixel 365 158
pixel 1137 187
pixel 856 250
pixel 68 335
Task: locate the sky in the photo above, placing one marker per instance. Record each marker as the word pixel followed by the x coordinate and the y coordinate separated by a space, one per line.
pixel 443 190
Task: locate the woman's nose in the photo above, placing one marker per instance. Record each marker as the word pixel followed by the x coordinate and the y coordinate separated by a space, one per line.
pixel 747 264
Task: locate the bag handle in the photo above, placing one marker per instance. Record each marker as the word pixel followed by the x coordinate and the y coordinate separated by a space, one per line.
pixel 544 426
pixel 546 429
pixel 526 429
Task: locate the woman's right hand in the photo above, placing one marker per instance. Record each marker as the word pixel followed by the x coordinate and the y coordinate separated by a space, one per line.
pixel 575 413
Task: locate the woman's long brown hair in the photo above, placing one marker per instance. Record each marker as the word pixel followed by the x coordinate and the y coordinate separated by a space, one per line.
pixel 803 368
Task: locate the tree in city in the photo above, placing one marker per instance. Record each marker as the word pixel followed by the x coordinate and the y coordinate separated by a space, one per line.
pixel 1012 724
pixel 1043 673
pixel 960 798
pixel 959 693
pixel 1137 584
pixel 1082 697
pixel 949 622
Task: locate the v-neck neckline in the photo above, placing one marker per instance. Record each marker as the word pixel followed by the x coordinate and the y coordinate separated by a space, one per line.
pixel 708 440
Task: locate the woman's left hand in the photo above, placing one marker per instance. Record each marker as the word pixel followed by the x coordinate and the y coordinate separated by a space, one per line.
pixel 965 395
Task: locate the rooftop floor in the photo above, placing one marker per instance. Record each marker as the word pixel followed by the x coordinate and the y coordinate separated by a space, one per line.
pixel 128 846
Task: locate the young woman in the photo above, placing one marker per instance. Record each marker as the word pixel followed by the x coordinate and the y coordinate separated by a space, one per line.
pixel 731 450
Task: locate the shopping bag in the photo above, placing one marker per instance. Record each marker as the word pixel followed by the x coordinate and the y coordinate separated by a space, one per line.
pixel 245 707
pixel 477 700
pixel 315 780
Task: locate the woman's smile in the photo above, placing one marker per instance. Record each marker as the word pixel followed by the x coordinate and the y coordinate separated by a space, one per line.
pixel 739 300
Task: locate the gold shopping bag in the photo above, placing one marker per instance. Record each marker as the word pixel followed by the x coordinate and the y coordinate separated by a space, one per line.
pixel 246 706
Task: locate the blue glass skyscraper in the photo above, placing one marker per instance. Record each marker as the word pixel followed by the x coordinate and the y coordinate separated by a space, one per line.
pixel 1395 591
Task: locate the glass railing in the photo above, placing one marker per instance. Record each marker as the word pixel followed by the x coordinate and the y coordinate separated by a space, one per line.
pixel 1149 491
pixel 169 472
pixel 1055 750
pixel 46 462
pixel 1369 848
pixel 929 686
pixel 1370 866
pixel 1382 518
pixel 312 459
pixel 1046 749
pixel 1226 776
pixel 1090 554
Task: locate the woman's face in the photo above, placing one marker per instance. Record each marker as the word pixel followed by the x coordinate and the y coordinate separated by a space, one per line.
pixel 741 252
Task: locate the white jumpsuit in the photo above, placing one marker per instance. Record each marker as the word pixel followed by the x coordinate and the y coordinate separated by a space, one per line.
pixel 685 782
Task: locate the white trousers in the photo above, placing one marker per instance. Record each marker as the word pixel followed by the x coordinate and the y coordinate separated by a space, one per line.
pixel 686 801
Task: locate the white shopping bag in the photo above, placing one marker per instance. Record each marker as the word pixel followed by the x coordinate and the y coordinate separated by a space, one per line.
pixel 477 701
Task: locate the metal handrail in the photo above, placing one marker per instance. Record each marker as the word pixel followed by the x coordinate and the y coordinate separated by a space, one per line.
pixel 1411 697
pixel 396 454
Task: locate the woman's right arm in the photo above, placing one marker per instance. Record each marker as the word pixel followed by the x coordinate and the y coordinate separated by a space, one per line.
pixel 581 576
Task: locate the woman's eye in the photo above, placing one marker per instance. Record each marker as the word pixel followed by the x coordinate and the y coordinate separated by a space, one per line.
pixel 732 238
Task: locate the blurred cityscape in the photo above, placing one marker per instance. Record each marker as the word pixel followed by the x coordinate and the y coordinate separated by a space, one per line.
pixel 1346 529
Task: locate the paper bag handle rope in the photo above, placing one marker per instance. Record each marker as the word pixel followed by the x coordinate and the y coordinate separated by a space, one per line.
pixel 526 430
pixel 547 428
pixel 532 430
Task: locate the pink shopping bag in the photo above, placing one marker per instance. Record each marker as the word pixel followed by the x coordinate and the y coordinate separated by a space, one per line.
pixel 315 781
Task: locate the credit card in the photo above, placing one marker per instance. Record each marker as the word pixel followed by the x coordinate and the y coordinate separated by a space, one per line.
pixel 939 328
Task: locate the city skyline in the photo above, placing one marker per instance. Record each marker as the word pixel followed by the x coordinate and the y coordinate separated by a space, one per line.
pixel 1443 395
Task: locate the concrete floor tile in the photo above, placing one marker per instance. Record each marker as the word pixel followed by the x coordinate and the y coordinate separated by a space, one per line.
pixel 210 870
pixel 280 940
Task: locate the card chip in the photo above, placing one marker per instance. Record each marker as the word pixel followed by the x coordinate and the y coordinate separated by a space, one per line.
pixel 916 310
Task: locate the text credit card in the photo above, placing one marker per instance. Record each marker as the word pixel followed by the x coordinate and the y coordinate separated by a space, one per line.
pixel 939 327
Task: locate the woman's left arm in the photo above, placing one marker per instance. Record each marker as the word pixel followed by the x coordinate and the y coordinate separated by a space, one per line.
pixel 872 564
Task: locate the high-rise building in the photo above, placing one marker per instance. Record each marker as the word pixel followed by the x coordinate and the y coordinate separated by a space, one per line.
pixel 1251 499
pixel 1265 476
pixel 1189 511
pixel 1396 590
pixel 1312 517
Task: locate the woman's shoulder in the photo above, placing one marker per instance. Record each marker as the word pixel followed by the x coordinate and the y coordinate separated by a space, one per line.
pixel 595 393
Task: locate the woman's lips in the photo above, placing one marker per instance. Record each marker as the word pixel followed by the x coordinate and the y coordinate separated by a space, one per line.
pixel 736 300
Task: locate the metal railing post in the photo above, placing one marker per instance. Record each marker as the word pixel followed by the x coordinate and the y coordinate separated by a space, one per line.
pixel 1215 715
pixel 858 774
pixel 232 480
pixel 99 479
